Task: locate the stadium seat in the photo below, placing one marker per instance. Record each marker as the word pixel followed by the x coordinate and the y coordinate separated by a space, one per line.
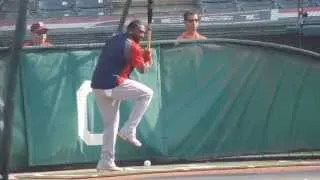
pixel 10 6
pixel 215 1
pixel 134 3
pixel 287 4
pixel 55 14
pixel 93 12
pixel 157 10
pixel 8 15
pixel 11 15
pixel 157 3
pixel 55 4
pixel 315 2
pixel 9 9
pixel 219 7
pixel 91 3
pixel 174 2
pixel 249 5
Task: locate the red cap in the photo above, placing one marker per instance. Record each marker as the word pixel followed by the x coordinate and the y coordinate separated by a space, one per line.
pixel 39 28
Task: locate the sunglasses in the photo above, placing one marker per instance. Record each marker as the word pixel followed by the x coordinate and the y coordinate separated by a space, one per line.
pixel 40 34
pixel 192 20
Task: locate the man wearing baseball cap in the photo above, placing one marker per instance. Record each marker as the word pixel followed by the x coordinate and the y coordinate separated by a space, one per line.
pixel 39 35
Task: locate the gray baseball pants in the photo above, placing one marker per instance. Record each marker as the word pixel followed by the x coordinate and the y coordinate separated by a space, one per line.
pixel 108 102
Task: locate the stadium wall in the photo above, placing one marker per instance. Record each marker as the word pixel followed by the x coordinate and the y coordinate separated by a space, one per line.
pixel 213 99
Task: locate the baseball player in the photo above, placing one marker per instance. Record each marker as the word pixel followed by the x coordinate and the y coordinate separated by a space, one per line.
pixel 111 84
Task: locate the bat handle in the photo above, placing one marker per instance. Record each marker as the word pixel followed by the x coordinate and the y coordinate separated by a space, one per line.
pixel 149 39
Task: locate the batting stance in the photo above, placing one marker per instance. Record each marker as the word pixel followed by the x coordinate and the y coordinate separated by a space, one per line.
pixel 111 84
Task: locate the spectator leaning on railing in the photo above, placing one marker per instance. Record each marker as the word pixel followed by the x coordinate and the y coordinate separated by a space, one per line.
pixel 191 21
pixel 39 35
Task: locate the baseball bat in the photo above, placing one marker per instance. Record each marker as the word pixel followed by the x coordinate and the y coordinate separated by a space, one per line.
pixel 124 15
pixel 150 3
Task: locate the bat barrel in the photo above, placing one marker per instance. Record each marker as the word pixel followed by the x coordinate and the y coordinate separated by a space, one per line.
pixel 150 3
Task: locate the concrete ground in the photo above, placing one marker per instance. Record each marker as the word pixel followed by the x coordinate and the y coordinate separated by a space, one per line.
pixel 255 170
pixel 299 173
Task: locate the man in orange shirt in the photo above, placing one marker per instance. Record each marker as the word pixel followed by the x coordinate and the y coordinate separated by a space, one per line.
pixel 191 21
pixel 39 35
